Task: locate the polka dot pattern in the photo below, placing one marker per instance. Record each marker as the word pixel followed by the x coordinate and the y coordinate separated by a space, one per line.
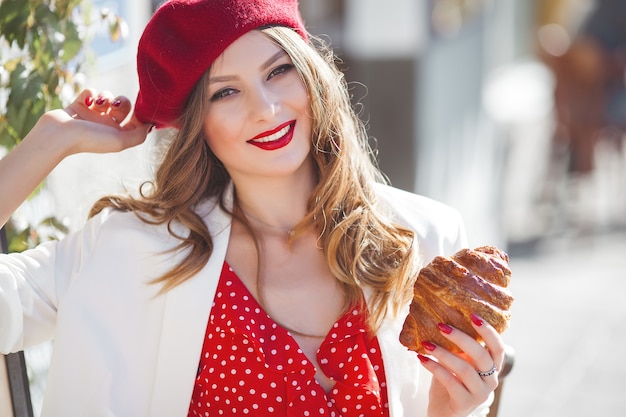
pixel 251 366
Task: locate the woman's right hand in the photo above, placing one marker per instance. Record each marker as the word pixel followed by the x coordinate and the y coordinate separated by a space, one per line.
pixel 96 123
pixel 93 122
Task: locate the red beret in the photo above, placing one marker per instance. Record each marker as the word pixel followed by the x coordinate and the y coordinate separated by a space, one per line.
pixel 182 40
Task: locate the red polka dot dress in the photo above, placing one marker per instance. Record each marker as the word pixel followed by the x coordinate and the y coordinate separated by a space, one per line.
pixel 252 366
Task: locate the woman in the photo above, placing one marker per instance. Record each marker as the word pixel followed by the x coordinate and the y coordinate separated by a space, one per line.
pixel 266 271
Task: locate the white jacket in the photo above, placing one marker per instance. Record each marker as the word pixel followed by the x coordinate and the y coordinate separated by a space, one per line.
pixel 122 350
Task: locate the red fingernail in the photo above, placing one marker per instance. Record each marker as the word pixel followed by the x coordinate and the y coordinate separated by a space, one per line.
pixel 423 358
pixel 89 101
pixel 429 346
pixel 100 101
pixel 445 328
pixel 476 320
pixel 116 103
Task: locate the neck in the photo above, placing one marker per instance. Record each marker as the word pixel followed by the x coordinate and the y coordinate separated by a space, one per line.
pixel 256 222
pixel 275 204
pixel 297 333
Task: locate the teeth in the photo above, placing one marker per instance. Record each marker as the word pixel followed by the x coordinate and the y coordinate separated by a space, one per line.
pixel 282 132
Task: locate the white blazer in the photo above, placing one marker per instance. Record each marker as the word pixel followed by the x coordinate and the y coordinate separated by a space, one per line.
pixel 122 350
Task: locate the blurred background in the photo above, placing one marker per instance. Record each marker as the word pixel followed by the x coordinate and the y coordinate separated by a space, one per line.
pixel 511 111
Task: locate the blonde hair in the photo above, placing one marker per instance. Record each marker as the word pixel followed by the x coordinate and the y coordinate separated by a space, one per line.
pixel 362 245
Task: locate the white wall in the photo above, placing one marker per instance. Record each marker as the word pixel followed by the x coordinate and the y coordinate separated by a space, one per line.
pixel 462 150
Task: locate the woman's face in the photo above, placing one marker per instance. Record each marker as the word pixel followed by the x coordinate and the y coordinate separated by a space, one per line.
pixel 258 120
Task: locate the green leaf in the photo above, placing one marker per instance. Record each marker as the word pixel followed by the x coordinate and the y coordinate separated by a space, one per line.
pixel 16 116
pixel 37 110
pixel 52 81
pixel 17 81
pixel 18 240
pixel 6 140
pixel 25 87
pixel 55 223
pixel 44 15
pixel 64 7
pixel 73 44
pixel 55 102
pixel 8 136
pixel 13 24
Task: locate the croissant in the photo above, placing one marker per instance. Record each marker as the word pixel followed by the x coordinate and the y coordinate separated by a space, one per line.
pixel 449 289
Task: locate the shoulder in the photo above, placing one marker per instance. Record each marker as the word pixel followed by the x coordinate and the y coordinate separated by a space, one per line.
pixel 125 222
pixel 138 222
pixel 439 228
pixel 128 233
pixel 398 199
pixel 112 237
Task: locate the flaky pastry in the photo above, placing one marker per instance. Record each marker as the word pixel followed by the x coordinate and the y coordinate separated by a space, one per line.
pixel 449 289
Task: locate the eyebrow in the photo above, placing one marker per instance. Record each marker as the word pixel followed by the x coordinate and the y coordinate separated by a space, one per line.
pixel 223 78
pixel 279 54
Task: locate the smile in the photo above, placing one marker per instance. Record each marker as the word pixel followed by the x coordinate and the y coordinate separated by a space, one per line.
pixel 275 139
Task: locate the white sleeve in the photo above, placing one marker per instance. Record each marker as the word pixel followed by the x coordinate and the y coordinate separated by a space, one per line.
pixel 27 301
pixel 31 283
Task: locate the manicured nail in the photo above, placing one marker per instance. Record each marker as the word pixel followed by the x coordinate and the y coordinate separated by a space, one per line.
pixel 429 346
pixel 445 328
pixel 100 101
pixel 88 101
pixel 476 320
pixel 423 358
pixel 116 103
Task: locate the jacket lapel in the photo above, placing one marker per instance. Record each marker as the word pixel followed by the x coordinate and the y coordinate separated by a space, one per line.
pixel 185 317
pixel 402 371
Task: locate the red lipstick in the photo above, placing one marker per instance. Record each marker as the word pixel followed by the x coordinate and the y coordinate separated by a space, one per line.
pixel 276 138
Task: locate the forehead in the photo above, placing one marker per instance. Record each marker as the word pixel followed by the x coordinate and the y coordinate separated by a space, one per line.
pixel 250 50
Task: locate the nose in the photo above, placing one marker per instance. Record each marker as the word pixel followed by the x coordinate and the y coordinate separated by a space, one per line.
pixel 264 104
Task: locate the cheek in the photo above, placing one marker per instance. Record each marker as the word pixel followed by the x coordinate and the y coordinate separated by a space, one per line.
pixel 223 138
pixel 302 97
pixel 217 130
pixel 212 136
pixel 217 148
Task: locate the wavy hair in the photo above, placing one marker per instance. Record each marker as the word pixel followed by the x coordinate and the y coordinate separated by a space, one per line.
pixel 363 247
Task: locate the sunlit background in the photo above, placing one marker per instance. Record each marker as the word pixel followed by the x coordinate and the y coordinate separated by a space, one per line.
pixel 511 111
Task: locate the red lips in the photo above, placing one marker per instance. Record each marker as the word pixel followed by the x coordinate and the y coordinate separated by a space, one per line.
pixel 276 138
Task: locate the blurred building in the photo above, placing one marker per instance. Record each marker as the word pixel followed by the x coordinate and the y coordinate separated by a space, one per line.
pixel 439 85
pixel 465 105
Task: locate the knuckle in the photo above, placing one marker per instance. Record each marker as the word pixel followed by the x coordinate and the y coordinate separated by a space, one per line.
pixel 467 372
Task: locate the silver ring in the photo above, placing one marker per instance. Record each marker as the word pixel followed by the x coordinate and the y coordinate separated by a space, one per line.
pixel 489 372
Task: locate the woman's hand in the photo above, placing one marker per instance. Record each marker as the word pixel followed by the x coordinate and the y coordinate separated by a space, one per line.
pixel 462 382
pixel 93 122
pixel 96 123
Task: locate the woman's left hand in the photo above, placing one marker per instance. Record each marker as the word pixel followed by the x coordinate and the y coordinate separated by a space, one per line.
pixel 462 382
